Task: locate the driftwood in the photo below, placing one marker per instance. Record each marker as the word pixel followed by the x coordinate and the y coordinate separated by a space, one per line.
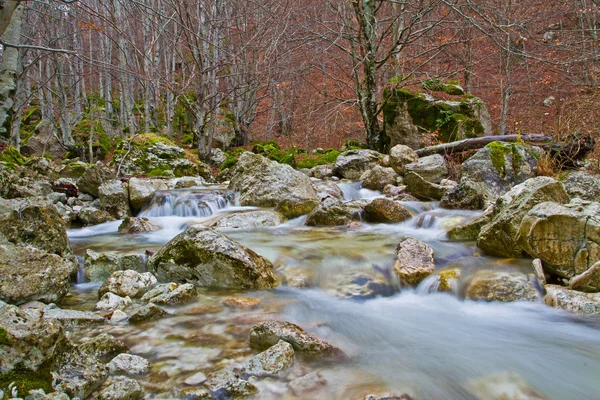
pixel 544 141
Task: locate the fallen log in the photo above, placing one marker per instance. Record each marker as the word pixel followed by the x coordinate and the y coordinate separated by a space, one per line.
pixel 534 139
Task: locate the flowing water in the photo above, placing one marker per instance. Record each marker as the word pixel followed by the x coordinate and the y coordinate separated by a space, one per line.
pixel 430 345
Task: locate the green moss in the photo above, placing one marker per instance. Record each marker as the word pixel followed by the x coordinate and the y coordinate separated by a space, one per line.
pixel 157 172
pixel 438 85
pixel 25 380
pixel 3 337
pixel 228 163
pixel 313 160
pixel 499 151
pixel 353 144
pixel 12 158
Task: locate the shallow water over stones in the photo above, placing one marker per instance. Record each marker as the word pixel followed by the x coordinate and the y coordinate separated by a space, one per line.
pixel 430 345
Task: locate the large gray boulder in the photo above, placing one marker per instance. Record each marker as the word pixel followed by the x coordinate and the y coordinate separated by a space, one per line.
pixel 500 236
pixel 386 211
pixel 565 237
pixel 378 177
pixel 499 166
pixel 400 156
pixel 502 286
pixel 352 164
pixel 93 177
pixel 34 223
pixel 422 189
pixel 114 198
pixel 37 354
pixel 332 212
pixel 431 168
pixel 208 258
pixel 128 283
pixel 583 185
pixel 265 183
pixel 141 191
pixel 28 274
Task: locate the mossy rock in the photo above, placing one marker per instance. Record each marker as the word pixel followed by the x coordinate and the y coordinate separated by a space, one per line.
pixel 499 151
pixel 228 163
pixel 25 380
pixel 325 157
pixel 12 158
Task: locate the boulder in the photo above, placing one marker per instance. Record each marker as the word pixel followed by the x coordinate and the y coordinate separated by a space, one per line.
pixel 148 312
pixel 186 182
pixel 34 223
pixel 572 300
pixel 503 286
pixel 464 196
pixel 499 237
pixel 275 361
pixel 28 274
pixel 127 389
pixel 589 281
pixel 128 364
pixel 431 168
pixel 386 211
pixel 583 185
pixel 565 237
pixel 93 216
pixel 499 166
pixel 228 385
pixel 327 189
pixel 111 302
pixel 332 212
pixel 170 294
pixel 423 189
pixel 414 261
pixel 265 183
pixel 217 157
pixel 104 347
pixel 37 354
pixel 378 177
pixel 44 141
pixel 128 283
pixel 267 334
pixel 93 177
pixel 321 171
pixel 136 225
pixel 352 164
pixel 141 191
pixel 470 229
pixel 249 220
pixel 208 258
pixel 400 156
pixel 99 266
pixel 71 318
pixel 114 198
pixel 293 208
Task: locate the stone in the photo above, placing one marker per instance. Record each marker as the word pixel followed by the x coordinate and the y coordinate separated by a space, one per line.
pixel 329 189
pixel 566 237
pixel 217 157
pixel 71 318
pixel 93 177
pixel 423 189
pixel 28 274
pixel 362 286
pixel 464 196
pixel 275 361
pixel 135 262
pixel 400 156
pixel 141 191
pixel 499 166
pixel 431 168
pixel 470 229
pixel 242 303
pixel 37 354
pixel 572 300
pixel 114 198
pixel 588 281
pixel 104 347
pixel 99 266
pixel 414 261
pixel 34 223
pixel 583 185
pixel 267 334
pixel 93 216
pixel 249 220
pixel 352 164
pixel 228 385
pixel 128 364
pixel 538 270
pixel 135 225
pixel 111 302
pixel 378 177
pixel 171 294
pixel 265 183
pixel 44 141
pixel 322 171
pixel 386 211
pixel 148 312
pixel 500 236
pixel 307 383
pixel 332 212
pixel 128 283
pixel 197 379
pixel 208 258
pixel 294 208
pixel 504 386
pixel 127 389
pixel 186 182
pixel 503 286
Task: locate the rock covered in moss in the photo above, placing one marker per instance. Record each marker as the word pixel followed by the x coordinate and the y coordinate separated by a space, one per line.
pixel 414 261
pixel 352 164
pixel 28 274
pixel 267 334
pixel 34 223
pixel 135 225
pixel 208 258
pixel 171 294
pixel 503 286
pixel 386 211
pixel 104 347
pixel 128 283
pixel 332 212
pixel 572 300
pixel 275 361
pixel 566 237
pixel 499 237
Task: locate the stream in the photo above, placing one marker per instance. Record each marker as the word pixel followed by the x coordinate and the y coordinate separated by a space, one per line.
pixel 430 345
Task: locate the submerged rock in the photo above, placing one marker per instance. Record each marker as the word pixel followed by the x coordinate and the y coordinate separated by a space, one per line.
pixel 572 300
pixel 352 164
pixel 307 383
pixel 275 361
pixel 208 258
pixel 128 283
pixel 28 274
pixel 503 286
pixel 414 261
pixel 246 303
pixel 360 286
pixel 386 211
pixel 499 237
pixel 267 334
pixel 504 386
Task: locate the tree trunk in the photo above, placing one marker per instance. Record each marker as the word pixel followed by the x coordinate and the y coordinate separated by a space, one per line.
pixel 9 71
pixel 478 143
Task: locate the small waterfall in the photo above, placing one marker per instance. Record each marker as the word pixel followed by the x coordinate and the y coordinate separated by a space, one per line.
pixel 355 191
pixel 80 270
pixel 187 203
